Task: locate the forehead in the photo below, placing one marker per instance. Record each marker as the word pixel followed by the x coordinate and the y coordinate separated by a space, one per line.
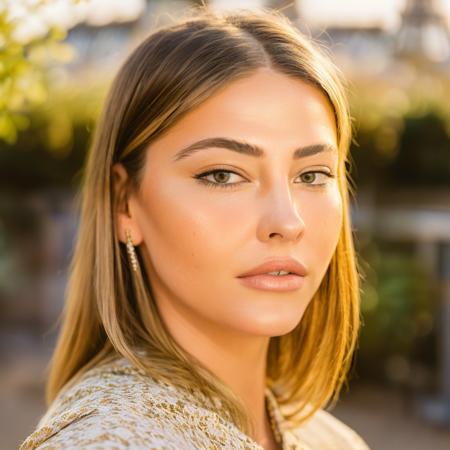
pixel 267 108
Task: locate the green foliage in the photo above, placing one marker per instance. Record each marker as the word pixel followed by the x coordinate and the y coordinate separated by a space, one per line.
pixel 398 310
pixel 402 131
pixel 51 151
pixel 423 156
pixel 23 66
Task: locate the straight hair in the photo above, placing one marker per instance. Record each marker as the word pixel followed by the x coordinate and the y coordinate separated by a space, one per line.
pixel 110 311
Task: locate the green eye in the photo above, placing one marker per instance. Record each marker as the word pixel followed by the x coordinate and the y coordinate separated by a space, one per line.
pixel 308 177
pixel 311 176
pixel 221 179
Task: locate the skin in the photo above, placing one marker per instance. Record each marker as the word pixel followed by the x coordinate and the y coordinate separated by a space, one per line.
pixel 196 240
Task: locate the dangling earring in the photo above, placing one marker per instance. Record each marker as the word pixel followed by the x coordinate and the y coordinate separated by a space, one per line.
pixel 131 251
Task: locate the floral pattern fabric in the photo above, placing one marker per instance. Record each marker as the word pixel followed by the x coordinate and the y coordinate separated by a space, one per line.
pixel 116 406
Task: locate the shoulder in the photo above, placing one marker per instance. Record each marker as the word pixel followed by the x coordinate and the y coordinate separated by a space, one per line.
pixel 112 406
pixel 326 432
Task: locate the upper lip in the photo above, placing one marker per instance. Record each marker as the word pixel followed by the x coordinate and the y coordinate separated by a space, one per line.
pixel 274 265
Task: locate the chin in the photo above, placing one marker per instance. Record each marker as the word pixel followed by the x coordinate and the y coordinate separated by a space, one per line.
pixel 273 325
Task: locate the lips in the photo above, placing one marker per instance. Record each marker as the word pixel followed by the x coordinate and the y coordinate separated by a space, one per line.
pixel 274 265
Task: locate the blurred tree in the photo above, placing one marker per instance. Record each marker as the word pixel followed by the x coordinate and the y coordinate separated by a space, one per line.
pixel 424 153
pixel 398 306
pixel 24 56
pixel 50 152
pixel 402 133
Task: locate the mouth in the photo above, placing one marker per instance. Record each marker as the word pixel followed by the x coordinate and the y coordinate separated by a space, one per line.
pixel 273 282
pixel 278 267
pixel 280 274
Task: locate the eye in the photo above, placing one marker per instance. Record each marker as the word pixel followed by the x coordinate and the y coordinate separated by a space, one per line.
pixel 313 175
pixel 220 177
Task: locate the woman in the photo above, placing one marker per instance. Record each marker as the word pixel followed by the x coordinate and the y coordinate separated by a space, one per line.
pixel 213 297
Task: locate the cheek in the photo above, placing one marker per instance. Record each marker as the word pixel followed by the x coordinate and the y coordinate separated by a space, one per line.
pixel 186 233
pixel 322 214
pixel 325 215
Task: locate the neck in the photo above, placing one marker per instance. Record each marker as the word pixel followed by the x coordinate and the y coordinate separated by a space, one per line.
pixel 236 359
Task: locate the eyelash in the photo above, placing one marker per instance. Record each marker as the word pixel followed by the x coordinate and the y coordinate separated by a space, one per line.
pixel 200 177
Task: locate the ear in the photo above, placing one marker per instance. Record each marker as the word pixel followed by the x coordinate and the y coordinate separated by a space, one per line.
pixel 125 206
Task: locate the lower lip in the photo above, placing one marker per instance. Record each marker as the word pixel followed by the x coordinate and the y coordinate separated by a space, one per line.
pixel 278 283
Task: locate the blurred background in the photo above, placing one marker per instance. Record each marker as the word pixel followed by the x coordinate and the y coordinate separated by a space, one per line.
pixel 57 58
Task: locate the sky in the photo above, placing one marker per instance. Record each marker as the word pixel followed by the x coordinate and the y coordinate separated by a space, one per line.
pixel 358 12
pixel 346 12
pixel 66 14
pixel 385 13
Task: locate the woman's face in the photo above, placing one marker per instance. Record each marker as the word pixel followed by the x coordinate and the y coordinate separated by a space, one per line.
pixel 197 238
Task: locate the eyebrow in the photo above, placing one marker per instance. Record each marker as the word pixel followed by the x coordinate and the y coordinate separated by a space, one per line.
pixel 247 148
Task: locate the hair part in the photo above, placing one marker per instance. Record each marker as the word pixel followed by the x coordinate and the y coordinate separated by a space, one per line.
pixel 110 311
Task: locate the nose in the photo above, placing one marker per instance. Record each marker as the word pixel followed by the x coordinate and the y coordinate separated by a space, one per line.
pixel 280 218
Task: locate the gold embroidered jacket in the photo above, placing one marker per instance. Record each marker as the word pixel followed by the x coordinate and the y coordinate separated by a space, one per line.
pixel 115 406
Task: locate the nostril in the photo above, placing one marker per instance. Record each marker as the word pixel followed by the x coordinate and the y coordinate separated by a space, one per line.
pixel 272 234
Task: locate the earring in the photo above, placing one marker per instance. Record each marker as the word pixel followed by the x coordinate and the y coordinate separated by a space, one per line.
pixel 131 251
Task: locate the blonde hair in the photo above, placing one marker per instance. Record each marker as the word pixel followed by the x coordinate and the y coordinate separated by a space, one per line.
pixel 109 310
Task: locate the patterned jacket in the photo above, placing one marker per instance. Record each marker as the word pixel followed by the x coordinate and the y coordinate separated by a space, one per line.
pixel 116 406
